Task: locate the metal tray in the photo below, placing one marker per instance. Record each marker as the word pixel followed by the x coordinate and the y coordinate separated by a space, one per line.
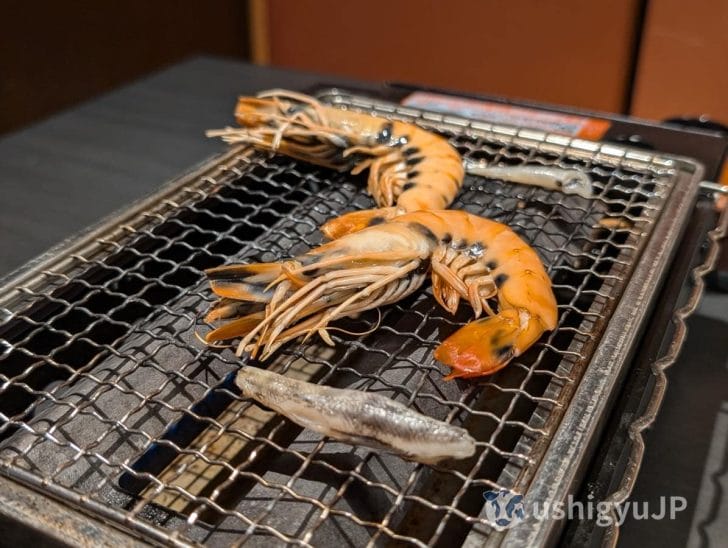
pixel 109 403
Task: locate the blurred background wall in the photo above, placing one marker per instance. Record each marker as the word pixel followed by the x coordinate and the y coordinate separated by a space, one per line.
pixel 683 61
pixel 56 54
pixel 563 51
pixel 651 58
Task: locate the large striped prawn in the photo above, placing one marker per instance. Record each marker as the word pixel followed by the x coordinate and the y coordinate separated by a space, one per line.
pixel 467 257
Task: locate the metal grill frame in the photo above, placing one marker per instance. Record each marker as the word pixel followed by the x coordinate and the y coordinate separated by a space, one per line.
pixel 619 494
pixel 556 476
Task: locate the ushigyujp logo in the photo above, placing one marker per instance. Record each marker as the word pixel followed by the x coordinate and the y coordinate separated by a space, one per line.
pixel 504 509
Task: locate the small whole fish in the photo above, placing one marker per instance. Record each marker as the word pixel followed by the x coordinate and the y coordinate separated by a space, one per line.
pixel 568 181
pixel 358 418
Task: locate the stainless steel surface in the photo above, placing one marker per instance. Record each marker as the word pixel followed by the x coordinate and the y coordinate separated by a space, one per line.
pixel 33 518
pixel 622 492
pixel 110 403
pixel 565 460
pixel 714 187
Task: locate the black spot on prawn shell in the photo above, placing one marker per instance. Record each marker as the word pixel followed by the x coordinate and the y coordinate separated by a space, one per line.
pixel 447 238
pixel 492 265
pixel 422 269
pixel 376 221
pixel 500 279
pixel 413 174
pixel 409 151
pixel 408 186
pixel 413 161
pixel 504 352
pixel 426 232
pixel 385 134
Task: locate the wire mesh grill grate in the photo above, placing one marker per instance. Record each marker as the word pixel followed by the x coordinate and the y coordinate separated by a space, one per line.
pixel 109 401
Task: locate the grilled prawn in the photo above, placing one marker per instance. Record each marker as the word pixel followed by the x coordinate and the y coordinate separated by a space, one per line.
pixel 468 258
pixel 410 169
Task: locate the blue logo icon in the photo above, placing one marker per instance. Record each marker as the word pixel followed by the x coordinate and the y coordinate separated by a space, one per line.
pixel 504 509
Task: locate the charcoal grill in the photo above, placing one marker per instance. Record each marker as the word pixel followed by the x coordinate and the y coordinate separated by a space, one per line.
pixel 114 417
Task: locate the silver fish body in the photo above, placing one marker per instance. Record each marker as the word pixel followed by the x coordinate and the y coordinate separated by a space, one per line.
pixel 568 181
pixel 357 417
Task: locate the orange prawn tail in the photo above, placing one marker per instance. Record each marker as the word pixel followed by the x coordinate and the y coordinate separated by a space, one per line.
pixel 485 346
pixel 253 112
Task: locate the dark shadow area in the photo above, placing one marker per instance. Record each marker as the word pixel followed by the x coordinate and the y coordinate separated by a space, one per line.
pixel 58 54
pixel 678 443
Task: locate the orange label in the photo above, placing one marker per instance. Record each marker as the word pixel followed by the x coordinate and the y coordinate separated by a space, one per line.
pixel 553 122
pixel 723 178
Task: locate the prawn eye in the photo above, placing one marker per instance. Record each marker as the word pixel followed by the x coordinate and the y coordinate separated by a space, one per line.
pixel 476 250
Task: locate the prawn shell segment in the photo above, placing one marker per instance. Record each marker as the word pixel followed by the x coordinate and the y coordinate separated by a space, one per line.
pixel 509 271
